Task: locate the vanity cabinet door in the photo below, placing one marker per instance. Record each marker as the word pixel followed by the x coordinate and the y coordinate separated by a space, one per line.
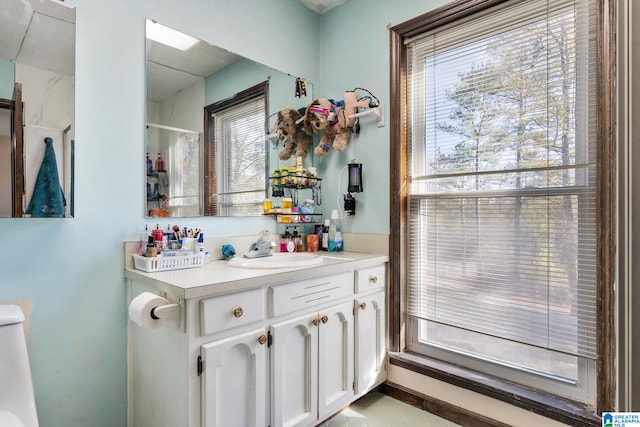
pixel 234 384
pixel 335 360
pixel 370 341
pixel 294 364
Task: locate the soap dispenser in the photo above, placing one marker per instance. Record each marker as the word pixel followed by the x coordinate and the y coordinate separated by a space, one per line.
pixel 297 240
pixel 285 242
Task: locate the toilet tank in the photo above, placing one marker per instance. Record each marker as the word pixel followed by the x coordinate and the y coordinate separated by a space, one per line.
pixel 16 394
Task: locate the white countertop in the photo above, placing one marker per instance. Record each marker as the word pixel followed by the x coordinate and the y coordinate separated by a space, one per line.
pixel 218 277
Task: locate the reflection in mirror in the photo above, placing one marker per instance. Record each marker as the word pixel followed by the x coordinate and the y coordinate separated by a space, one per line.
pixel 37 65
pixel 236 155
pixel 190 84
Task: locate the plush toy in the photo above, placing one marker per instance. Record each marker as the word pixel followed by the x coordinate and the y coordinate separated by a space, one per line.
pixel 329 118
pixel 293 133
pixel 351 105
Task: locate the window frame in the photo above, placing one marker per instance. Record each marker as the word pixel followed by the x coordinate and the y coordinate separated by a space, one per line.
pixel 544 404
pixel 210 168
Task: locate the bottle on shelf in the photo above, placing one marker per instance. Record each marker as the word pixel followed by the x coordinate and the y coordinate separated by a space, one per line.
pixel 159 163
pixel 306 210
pixel 149 165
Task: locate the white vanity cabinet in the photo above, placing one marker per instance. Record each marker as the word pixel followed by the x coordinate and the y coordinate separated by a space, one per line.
pixel 312 361
pixel 312 365
pixel 234 369
pixel 370 342
pixel 266 349
pixel 370 333
pixel 234 381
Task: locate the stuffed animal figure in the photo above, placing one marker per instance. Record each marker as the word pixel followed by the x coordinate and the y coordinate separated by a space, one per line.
pixel 292 132
pixel 351 105
pixel 329 118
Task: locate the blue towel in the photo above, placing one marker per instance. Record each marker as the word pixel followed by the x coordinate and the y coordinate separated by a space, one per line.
pixel 47 199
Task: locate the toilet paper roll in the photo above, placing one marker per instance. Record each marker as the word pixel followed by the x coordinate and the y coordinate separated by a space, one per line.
pixel 140 310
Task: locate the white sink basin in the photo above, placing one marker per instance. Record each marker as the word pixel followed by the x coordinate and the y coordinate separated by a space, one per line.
pixel 278 260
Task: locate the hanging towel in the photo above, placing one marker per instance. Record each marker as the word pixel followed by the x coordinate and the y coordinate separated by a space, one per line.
pixel 47 199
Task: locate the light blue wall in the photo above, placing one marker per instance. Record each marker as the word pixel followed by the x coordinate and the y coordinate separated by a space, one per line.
pixel 72 268
pixel 354 52
pixel 7 77
pixel 245 73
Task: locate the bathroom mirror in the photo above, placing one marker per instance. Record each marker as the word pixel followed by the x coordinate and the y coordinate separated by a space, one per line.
pixel 37 67
pixel 189 81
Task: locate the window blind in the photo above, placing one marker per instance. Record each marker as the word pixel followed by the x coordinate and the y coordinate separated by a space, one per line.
pixel 240 157
pixel 501 173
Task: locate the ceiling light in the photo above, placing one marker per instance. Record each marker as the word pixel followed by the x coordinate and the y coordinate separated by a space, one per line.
pixel 169 37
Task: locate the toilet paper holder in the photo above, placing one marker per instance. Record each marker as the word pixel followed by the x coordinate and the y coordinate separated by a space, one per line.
pixel 167 311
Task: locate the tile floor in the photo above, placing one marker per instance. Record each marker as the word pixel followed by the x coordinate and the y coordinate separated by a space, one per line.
pixel 379 410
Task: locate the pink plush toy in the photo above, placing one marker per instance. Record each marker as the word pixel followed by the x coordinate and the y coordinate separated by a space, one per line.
pixel 351 105
pixel 324 116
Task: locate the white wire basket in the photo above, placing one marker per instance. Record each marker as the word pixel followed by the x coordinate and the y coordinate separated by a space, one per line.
pixel 164 263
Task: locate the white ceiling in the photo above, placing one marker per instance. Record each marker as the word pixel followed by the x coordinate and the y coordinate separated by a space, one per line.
pixel 170 70
pixel 321 6
pixel 42 33
pixel 38 33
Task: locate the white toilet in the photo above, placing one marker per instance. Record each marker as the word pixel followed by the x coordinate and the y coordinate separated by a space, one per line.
pixel 17 402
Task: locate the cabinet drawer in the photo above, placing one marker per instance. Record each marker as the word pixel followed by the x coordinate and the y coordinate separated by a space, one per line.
pixel 370 279
pixel 230 311
pixel 308 293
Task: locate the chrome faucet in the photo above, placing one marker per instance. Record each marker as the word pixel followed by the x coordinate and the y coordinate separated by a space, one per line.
pixel 262 247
